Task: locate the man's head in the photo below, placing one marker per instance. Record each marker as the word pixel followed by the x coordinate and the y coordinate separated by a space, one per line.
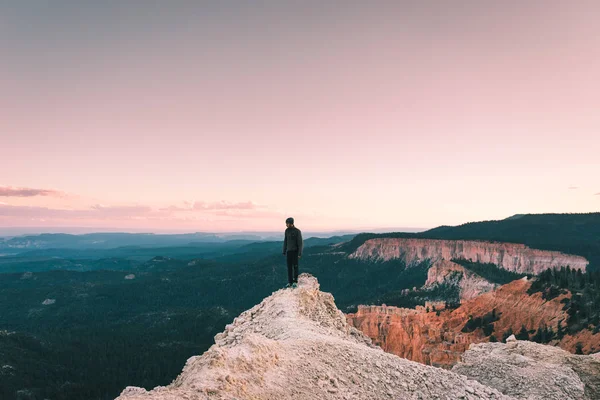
pixel 289 222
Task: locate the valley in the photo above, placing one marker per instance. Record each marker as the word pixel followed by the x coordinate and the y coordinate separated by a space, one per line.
pixel 93 321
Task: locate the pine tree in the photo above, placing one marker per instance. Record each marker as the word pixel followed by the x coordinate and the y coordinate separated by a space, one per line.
pixel 488 329
pixel 580 280
pixel 539 336
pixel 507 334
pixel 523 334
pixel 549 334
pixel 560 333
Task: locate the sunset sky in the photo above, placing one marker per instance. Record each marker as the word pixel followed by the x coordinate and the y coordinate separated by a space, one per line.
pixel 233 115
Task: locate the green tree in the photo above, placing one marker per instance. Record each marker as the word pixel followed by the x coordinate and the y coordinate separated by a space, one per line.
pixel 488 329
pixel 523 334
pixel 560 333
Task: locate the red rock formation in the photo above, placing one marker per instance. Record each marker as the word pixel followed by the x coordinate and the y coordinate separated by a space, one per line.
pixel 590 342
pixel 438 339
pixel 510 256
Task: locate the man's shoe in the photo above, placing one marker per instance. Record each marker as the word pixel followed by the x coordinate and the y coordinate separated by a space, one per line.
pixel 294 285
pixel 288 286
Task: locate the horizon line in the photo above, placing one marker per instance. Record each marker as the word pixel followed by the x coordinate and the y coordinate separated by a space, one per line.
pixel 90 230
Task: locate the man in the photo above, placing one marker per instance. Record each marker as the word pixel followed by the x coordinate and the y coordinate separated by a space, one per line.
pixel 292 247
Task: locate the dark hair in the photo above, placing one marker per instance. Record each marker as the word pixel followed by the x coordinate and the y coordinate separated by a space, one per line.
pixel 290 220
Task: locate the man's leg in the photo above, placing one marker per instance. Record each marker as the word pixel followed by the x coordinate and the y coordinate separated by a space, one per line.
pixel 296 268
pixel 290 267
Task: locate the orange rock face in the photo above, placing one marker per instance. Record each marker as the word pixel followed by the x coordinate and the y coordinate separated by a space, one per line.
pixel 590 342
pixel 510 256
pixel 438 339
pixel 412 334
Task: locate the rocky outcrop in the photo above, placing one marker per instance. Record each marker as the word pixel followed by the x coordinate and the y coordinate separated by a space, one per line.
pixel 469 284
pixel 437 338
pixel 532 371
pixel 296 344
pixel 414 334
pixel 510 256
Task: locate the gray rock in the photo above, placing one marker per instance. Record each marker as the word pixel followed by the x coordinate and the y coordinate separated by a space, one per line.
pixel 532 371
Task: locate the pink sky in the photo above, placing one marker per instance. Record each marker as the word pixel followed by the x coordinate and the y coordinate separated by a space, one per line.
pixel 213 118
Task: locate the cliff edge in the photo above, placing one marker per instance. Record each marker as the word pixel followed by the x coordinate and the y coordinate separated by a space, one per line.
pixel 509 256
pixel 296 344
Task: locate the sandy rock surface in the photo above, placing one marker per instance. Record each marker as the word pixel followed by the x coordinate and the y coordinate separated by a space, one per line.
pixel 527 370
pixel 296 344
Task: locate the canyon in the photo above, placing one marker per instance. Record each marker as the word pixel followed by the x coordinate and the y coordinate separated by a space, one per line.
pixel 438 337
pixel 433 335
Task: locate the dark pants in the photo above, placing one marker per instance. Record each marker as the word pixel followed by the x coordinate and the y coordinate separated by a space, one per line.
pixel 292 264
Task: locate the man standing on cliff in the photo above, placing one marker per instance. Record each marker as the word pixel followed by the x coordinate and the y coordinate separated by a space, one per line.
pixel 292 248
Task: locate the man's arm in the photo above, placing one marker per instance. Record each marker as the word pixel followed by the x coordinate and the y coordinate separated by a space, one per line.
pixel 300 243
pixel 284 243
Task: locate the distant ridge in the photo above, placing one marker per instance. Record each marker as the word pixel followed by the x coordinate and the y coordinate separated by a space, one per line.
pixel 571 233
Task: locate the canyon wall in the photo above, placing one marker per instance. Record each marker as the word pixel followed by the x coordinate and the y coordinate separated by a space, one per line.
pixel 436 338
pixel 510 256
pixel 470 285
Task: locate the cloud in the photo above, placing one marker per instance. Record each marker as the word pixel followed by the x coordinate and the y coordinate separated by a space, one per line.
pixel 573 187
pixel 249 214
pixel 214 206
pixel 121 211
pixel 597 194
pixel 240 210
pixel 223 205
pixel 8 191
pixel 96 211
pixel 176 208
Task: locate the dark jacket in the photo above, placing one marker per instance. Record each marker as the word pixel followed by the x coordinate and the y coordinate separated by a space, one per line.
pixel 292 240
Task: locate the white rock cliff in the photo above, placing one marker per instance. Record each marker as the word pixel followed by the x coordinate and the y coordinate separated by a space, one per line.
pixel 510 256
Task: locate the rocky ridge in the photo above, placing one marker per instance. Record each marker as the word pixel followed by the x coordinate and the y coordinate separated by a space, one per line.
pixel 470 285
pixel 296 344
